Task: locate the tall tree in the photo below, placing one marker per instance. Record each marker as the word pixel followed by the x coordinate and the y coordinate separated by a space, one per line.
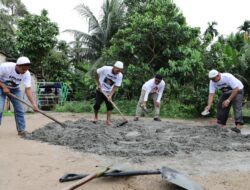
pixel 245 28
pixel 155 33
pixel 210 33
pixel 10 11
pixel 36 37
pixel 100 31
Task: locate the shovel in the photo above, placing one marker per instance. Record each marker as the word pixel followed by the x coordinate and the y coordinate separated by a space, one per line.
pixel 50 117
pixel 167 174
pixel 113 104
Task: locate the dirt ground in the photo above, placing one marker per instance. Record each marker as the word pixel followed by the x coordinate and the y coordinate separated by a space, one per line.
pixel 30 164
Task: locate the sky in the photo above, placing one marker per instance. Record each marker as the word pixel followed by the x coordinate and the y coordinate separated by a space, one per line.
pixel 229 14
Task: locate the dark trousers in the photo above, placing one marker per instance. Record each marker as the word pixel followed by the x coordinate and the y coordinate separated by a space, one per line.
pixel 222 113
pixel 99 98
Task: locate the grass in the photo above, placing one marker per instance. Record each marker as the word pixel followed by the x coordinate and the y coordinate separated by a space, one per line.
pixel 246 111
pixel 8 113
pixel 170 110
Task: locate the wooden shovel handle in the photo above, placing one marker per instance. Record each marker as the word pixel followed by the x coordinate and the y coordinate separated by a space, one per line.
pixel 81 182
pixel 21 100
pixel 86 179
pixel 114 105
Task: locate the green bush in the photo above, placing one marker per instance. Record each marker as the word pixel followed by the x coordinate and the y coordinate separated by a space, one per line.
pixel 171 109
pixel 75 106
pixel 8 113
pixel 176 109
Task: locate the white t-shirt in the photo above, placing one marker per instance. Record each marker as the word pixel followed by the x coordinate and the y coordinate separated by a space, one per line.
pixel 151 87
pixel 226 83
pixel 11 78
pixel 108 79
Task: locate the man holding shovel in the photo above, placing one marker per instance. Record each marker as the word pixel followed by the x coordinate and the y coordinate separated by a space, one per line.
pixel 11 75
pixel 108 78
pixel 232 94
pixel 155 88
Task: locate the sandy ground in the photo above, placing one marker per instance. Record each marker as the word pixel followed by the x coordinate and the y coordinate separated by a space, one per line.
pixel 29 165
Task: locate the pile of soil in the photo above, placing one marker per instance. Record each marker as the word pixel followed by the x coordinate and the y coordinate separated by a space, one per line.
pixel 141 139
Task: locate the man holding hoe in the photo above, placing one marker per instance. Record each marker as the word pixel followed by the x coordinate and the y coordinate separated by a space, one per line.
pixel 153 87
pixel 11 75
pixel 108 79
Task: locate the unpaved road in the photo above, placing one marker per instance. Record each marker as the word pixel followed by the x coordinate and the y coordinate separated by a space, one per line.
pixel 29 164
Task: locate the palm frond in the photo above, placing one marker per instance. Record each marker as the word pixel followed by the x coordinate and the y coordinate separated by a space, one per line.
pixel 84 11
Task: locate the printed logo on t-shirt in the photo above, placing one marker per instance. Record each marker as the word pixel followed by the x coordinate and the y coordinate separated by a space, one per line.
pixel 108 82
pixel 10 83
pixel 224 87
pixel 14 78
pixel 155 89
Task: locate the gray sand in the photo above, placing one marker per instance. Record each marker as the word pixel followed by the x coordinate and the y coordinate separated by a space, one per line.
pixel 141 139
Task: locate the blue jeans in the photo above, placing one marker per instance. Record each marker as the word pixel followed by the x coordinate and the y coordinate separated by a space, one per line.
pixel 18 108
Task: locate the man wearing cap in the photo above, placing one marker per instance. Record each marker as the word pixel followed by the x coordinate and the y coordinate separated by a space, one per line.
pixel 232 94
pixel 155 88
pixel 108 78
pixel 11 75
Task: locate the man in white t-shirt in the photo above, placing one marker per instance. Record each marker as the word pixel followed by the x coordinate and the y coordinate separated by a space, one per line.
pixel 155 88
pixel 108 78
pixel 11 75
pixel 232 94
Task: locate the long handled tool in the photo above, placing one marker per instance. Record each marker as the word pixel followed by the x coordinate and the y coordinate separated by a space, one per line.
pixel 113 104
pixel 167 174
pixel 144 110
pixel 86 179
pixel 50 117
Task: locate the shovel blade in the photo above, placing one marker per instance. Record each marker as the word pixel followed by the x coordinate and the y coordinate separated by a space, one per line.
pixel 179 179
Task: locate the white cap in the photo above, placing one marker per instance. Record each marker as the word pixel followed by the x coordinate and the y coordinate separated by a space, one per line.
pixel 213 73
pixel 118 64
pixel 23 61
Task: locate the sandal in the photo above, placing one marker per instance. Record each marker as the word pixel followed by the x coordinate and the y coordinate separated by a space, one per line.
pixel 235 129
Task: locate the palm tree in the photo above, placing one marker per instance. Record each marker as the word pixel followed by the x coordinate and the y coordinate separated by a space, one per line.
pixel 76 50
pixel 211 30
pixel 245 28
pixel 99 32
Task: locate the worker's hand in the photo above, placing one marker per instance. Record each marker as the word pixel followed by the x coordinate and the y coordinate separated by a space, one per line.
pixel 98 87
pixel 34 107
pixel 6 90
pixel 144 105
pixel 109 98
pixel 225 103
pixel 157 104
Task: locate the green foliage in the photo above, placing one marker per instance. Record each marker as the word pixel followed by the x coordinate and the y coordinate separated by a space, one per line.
pixel 36 37
pixel 152 36
pixel 135 76
pixel 173 109
pixel 7 43
pixel 57 60
pixel 82 83
pixel 10 10
pixel 89 45
pixel 75 107
pixel 8 113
